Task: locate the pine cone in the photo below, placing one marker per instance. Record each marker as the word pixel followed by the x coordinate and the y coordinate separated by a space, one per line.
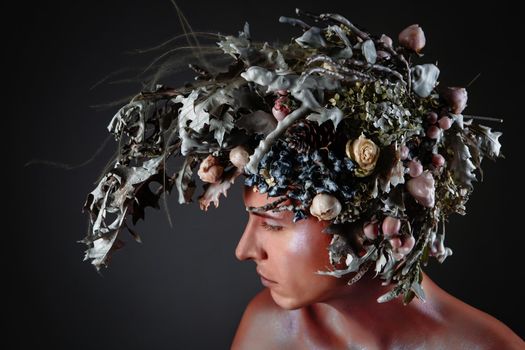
pixel 306 135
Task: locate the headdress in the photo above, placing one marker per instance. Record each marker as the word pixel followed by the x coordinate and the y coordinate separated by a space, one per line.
pixel 341 122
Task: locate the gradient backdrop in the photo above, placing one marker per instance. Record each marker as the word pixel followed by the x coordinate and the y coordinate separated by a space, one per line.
pixel 183 288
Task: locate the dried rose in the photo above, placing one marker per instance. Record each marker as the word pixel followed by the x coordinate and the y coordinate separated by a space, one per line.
pixel 210 170
pixel 281 108
pixel 422 189
pixel 364 152
pixel 412 37
pixel 325 206
pixel 456 98
pixel 239 156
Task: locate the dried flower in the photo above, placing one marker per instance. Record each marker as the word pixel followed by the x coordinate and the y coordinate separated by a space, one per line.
pixel 456 98
pixel 445 123
pixel 386 40
pixel 239 156
pixel 210 170
pixel 433 132
pixel 415 168
pixel 422 189
pixel 364 152
pixel 438 160
pixel 371 230
pixel 391 226
pixel 325 206
pixel 281 108
pixel 413 38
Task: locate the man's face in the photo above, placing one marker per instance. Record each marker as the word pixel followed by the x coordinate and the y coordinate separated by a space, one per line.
pixel 289 254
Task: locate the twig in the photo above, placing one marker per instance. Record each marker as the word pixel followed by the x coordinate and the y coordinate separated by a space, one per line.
pixel 483 118
pixel 362 270
pixel 268 206
pixel 265 144
pixel 346 22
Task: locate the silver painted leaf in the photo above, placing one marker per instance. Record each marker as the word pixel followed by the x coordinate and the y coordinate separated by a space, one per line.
pixel 221 126
pixel 184 179
pixel 313 37
pixel 334 114
pixel 424 79
pixel 369 51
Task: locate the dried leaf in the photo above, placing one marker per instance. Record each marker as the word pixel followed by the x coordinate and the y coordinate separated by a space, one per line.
pixel 220 126
pixel 184 179
pixel 334 114
pixel 213 191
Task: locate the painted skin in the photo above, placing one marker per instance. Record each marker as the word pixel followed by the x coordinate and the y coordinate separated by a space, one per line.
pixel 300 309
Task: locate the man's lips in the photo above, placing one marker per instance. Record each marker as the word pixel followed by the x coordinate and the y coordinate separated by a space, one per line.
pixel 267 279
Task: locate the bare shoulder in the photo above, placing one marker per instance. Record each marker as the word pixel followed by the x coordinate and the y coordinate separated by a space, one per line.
pixel 262 326
pixel 470 328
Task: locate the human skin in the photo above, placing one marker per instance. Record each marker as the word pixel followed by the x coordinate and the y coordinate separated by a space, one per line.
pixel 303 310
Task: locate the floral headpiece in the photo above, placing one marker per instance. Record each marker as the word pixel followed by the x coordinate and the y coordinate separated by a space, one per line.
pixel 339 121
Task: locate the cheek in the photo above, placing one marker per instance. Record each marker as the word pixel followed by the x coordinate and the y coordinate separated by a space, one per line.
pixel 305 254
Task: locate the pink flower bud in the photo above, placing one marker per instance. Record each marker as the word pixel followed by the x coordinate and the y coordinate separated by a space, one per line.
pixel 371 230
pixel 391 226
pixel 386 40
pixel 407 246
pixel 456 98
pixel 438 160
pixel 422 189
pixel 210 170
pixel 280 110
pixel 382 54
pixel 445 123
pixel 413 38
pixel 432 117
pixel 433 132
pixel 415 168
pixel 395 242
pixel 239 156
pixel 404 152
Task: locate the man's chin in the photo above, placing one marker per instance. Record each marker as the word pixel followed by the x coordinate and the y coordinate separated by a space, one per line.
pixel 286 303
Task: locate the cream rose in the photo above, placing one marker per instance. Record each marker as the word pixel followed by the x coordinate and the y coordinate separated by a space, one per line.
pixel 364 152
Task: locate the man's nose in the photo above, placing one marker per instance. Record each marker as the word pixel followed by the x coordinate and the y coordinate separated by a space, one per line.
pixel 249 246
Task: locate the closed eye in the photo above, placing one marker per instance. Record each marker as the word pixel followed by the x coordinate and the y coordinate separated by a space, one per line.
pixel 269 227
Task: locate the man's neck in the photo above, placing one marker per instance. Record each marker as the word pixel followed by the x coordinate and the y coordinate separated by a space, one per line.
pixel 355 307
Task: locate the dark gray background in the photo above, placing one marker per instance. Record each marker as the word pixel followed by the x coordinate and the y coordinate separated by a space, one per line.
pixel 183 288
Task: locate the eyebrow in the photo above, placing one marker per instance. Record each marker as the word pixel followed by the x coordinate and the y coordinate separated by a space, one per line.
pixel 266 215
